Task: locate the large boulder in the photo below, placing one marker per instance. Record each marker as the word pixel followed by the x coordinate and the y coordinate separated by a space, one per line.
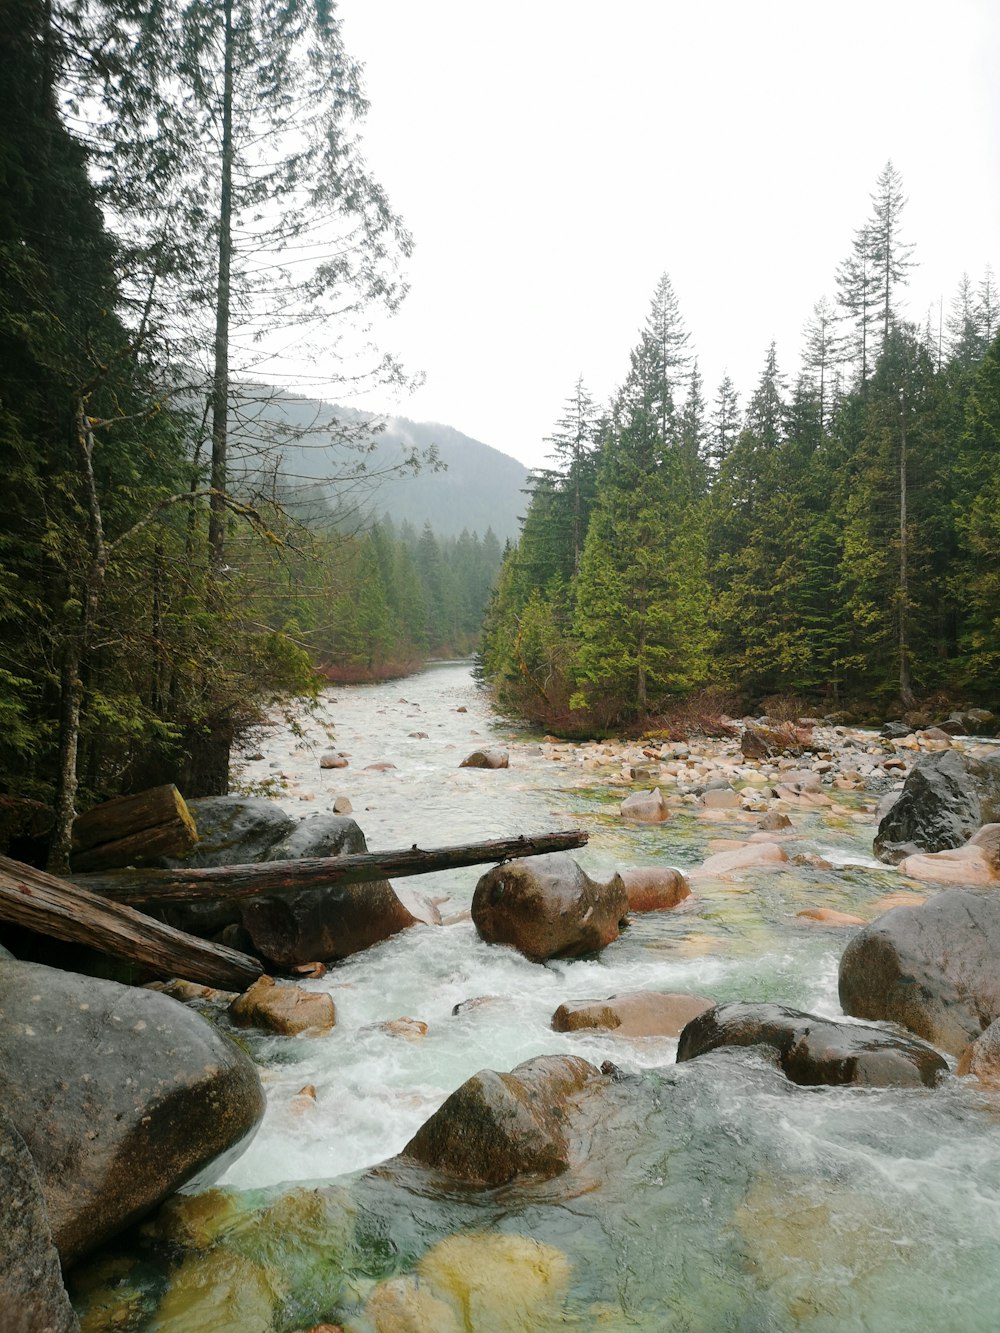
pixel 121 1095
pixel 945 798
pixel 547 907
pixel 815 1051
pixel 32 1296
pixel 496 1127
pixel 323 923
pixel 635 1014
pixel 935 968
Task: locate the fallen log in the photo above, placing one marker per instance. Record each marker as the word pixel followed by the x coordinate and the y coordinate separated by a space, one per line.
pixel 131 829
pixel 56 907
pixel 161 887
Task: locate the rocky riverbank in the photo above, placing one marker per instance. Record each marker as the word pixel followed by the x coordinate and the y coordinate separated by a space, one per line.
pixel 716 782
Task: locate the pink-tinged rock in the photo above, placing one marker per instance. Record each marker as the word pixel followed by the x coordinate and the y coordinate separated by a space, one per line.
pixel 645 807
pixel 828 916
pixel 976 863
pixel 752 856
pixel 654 888
pixel 721 798
pixel 637 1014
pixel 332 761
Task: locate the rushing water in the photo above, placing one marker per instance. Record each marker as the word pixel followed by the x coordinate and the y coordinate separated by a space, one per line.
pixel 729 1199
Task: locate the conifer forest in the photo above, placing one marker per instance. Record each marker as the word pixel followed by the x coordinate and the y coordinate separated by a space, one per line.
pixel 836 539
pixel 167 172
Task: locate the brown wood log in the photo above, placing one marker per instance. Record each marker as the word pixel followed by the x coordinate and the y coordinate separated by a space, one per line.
pixel 133 829
pixel 162 887
pixel 54 907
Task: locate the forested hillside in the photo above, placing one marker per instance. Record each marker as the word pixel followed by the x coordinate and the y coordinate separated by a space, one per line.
pixel 155 590
pixel 416 471
pixel 839 539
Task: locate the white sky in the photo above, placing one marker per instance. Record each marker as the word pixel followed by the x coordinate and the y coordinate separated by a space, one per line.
pixel 552 158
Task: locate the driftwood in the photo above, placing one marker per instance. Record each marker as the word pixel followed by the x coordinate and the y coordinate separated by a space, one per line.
pixel 54 907
pixel 162 887
pixel 133 829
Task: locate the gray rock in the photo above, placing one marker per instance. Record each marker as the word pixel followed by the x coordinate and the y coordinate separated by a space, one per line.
pixel 234 830
pixel 122 1095
pixel 945 798
pixel 934 968
pixel 815 1051
pixel 313 925
pixel 32 1296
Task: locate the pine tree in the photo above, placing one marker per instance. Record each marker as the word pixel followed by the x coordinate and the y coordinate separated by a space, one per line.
pixel 890 256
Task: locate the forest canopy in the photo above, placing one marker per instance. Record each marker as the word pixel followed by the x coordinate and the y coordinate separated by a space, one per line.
pixel 837 539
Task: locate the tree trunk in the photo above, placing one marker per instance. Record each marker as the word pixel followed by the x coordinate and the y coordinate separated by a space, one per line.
pixel 162 887
pixel 51 906
pixel 133 829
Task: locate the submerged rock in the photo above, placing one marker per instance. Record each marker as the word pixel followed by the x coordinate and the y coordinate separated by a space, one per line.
pixel 481 1280
pixel 935 968
pixel 547 907
pixel 945 798
pixel 637 1014
pixel 121 1095
pixel 748 857
pixel 813 1050
pixel 496 1127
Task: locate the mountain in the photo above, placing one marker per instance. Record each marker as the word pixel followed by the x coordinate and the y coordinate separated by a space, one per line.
pixel 315 452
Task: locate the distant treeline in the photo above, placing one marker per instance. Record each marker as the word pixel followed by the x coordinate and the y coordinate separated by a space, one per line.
pixel 375 604
pixel 838 540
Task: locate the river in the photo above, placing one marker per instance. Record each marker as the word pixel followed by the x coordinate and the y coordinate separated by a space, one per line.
pixel 737 1201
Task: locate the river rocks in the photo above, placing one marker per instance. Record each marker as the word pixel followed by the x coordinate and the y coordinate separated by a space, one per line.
pixel 486 759
pixel 547 907
pixel 332 759
pixel 121 1095
pixel 654 888
pixel 32 1296
pixel 645 807
pixel 934 968
pixel 815 1051
pixel 975 864
pixel 767 742
pixel 945 798
pixel 751 856
pixel 286 1009
pixel 637 1014
pixel 497 1127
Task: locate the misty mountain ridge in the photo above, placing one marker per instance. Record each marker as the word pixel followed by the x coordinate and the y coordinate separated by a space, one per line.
pixel 318 455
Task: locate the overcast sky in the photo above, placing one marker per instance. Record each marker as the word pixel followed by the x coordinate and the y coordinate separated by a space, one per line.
pixel 553 157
